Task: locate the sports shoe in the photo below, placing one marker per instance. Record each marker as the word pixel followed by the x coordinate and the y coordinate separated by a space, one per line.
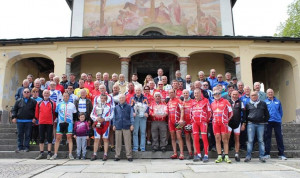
pixel 197 158
pixel 282 157
pixel 33 143
pixel 30 143
pixel 219 159
pixel 48 156
pixel 71 157
pixel 181 157
pixel 226 159
pixel 174 156
pixel 213 149
pixel 205 159
pixel 163 149
pixel 262 160
pixel 148 142
pixel 77 158
pixel 18 150
pixel 112 149
pixel 191 156
pixel 93 158
pixel 104 158
pixel 247 159
pixel 267 157
pixel 237 158
pixel 26 150
pixel 135 150
pixel 83 158
pixel 40 156
pixel 53 157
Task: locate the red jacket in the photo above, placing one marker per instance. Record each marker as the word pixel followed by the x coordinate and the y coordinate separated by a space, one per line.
pixel 201 111
pixel 222 111
pixel 45 113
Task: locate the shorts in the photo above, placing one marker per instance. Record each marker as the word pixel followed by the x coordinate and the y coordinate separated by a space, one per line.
pixel 60 129
pixel 200 125
pixel 172 127
pixel 46 129
pixel 220 128
pixel 102 131
pixel 236 131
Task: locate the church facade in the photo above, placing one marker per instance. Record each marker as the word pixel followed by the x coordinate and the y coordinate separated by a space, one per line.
pixel 140 36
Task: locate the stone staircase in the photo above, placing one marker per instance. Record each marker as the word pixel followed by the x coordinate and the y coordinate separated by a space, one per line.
pixel 8 143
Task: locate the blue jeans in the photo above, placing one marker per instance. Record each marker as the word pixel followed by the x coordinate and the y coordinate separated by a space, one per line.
pixel 278 135
pixel 259 130
pixel 139 124
pixel 24 128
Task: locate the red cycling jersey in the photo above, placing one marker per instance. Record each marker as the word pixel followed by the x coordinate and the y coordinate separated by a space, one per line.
pixel 156 110
pixel 163 93
pixel 150 98
pixel 201 111
pixel 174 106
pixel 187 106
pixel 222 111
pixel 178 93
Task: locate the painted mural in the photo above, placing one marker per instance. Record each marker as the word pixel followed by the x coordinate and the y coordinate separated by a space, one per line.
pixel 133 17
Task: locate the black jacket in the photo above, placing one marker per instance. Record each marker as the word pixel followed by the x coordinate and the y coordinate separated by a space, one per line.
pixel 257 115
pixel 22 110
pixel 89 108
pixel 238 111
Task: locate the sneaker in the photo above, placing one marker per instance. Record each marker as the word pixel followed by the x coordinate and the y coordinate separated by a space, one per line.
pixel 237 158
pixel 48 156
pixel 77 158
pixel 148 142
pixel 191 156
pixel 282 157
pixel 33 143
pixel 262 160
pixel 197 158
pixel 227 160
pixel 154 150
pixel 117 159
pixel 174 156
pixel 205 159
pixel 93 158
pixel 26 150
pixel 18 150
pixel 40 156
pixel 104 158
pixel 181 157
pixel 83 158
pixel 247 159
pixel 219 159
pixel 30 143
pixel 213 149
pixel 130 159
pixel 267 157
pixel 163 149
pixel 71 157
pixel 53 157
pixel 135 150
pixel 112 149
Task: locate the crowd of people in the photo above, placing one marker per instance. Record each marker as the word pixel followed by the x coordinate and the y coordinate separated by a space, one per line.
pixel 224 113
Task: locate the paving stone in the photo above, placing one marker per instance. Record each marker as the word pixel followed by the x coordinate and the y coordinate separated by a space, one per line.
pixel 154 175
pixel 91 175
pixel 67 168
pixel 49 174
pixel 116 168
pixel 165 168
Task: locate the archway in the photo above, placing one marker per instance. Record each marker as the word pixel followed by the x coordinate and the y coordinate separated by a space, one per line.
pixel 17 70
pixel 277 73
pixel 148 63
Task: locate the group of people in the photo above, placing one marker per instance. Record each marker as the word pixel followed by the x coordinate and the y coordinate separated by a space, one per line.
pixel 110 110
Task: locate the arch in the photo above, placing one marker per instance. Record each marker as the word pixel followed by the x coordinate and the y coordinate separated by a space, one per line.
pixel 286 57
pixel 94 51
pixel 149 29
pixel 19 57
pixel 154 51
pixel 230 53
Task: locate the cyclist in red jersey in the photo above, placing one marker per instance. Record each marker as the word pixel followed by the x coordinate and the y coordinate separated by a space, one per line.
pixel 187 105
pixel 222 112
pixel 176 114
pixel 200 114
pixel 175 86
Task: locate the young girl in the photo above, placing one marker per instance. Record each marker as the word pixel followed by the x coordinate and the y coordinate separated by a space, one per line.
pixel 81 134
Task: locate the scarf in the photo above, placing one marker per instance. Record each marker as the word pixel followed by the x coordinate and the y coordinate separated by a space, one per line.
pixel 255 103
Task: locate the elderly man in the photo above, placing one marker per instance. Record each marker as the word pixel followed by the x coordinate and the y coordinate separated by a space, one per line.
pixel 84 105
pixel 98 77
pixel 240 86
pixel 19 93
pixel 139 103
pixel 212 78
pixel 257 115
pixel 228 78
pixel 81 86
pixel 72 80
pixel 167 86
pixel 201 77
pixel 102 114
pixel 200 115
pixel 222 113
pixel 45 114
pixel 64 81
pixel 123 85
pixel 58 86
pixel 83 77
pixel 55 95
pixel 204 93
pixel 37 85
pixel 43 83
pixel 179 78
pixel 114 78
pixel 123 121
pixel 261 95
pixel 176 122
pixel 130 93
pixel 134 80
pixel 23 113
pixel 276 113
pixel 107 83
pixel 89 84
pixel 65 112
pixel 152 87
pixel 96 91
pixel 159 112
pixel 188 79
pixel 221 82
pixel 160 73
pixel 51 76
pixel 160 89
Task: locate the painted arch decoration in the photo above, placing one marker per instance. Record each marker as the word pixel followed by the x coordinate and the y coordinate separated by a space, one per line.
pixel 131 17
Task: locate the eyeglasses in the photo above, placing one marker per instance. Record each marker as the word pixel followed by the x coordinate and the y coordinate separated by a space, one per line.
pixel 216 94
pixel 26 92
pixel 220 77
pixel 204 85
pixel 160 84
pixel 146 89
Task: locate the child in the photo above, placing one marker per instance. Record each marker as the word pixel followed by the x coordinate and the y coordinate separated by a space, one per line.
pixel 81 134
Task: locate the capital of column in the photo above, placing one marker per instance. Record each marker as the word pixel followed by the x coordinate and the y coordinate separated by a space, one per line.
pixel 236 59
pixel 183 59
pixel 69 60
pixel 125 59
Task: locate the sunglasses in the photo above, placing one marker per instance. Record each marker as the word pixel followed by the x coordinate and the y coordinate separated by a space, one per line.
pixel 204 85
pixel 26 92
pixel 216 94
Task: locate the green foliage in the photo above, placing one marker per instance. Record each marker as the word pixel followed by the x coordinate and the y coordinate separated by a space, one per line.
pixel 291 27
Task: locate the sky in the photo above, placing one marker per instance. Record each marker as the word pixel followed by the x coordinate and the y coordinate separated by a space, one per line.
pixel 52 18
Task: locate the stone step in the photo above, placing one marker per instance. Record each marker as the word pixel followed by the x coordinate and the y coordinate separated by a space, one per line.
pixel 138 155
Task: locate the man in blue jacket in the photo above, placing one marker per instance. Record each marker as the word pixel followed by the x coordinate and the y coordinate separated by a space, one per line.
pixel 275 110
pixel 123 125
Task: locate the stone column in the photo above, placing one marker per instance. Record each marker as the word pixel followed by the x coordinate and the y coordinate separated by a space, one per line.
pixel 125 66
pixel 68 66
pixel 183 65
pixel 237 68
pixel 246 70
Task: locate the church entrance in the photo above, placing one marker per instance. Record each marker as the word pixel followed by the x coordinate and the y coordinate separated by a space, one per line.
pixel 144 64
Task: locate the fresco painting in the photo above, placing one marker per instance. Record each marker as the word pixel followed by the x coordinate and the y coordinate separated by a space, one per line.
pixel 131 17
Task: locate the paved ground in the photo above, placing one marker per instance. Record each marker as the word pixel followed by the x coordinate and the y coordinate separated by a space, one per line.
pixel 147 168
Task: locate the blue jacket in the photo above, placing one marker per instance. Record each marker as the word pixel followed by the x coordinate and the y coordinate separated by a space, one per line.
pixel 123 116
pixel 142 99
pixel 212 82
pixel 275 110
pixel 245 99
pixel 225 84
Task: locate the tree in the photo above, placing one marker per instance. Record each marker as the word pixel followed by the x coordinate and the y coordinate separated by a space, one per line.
pixel 291 27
